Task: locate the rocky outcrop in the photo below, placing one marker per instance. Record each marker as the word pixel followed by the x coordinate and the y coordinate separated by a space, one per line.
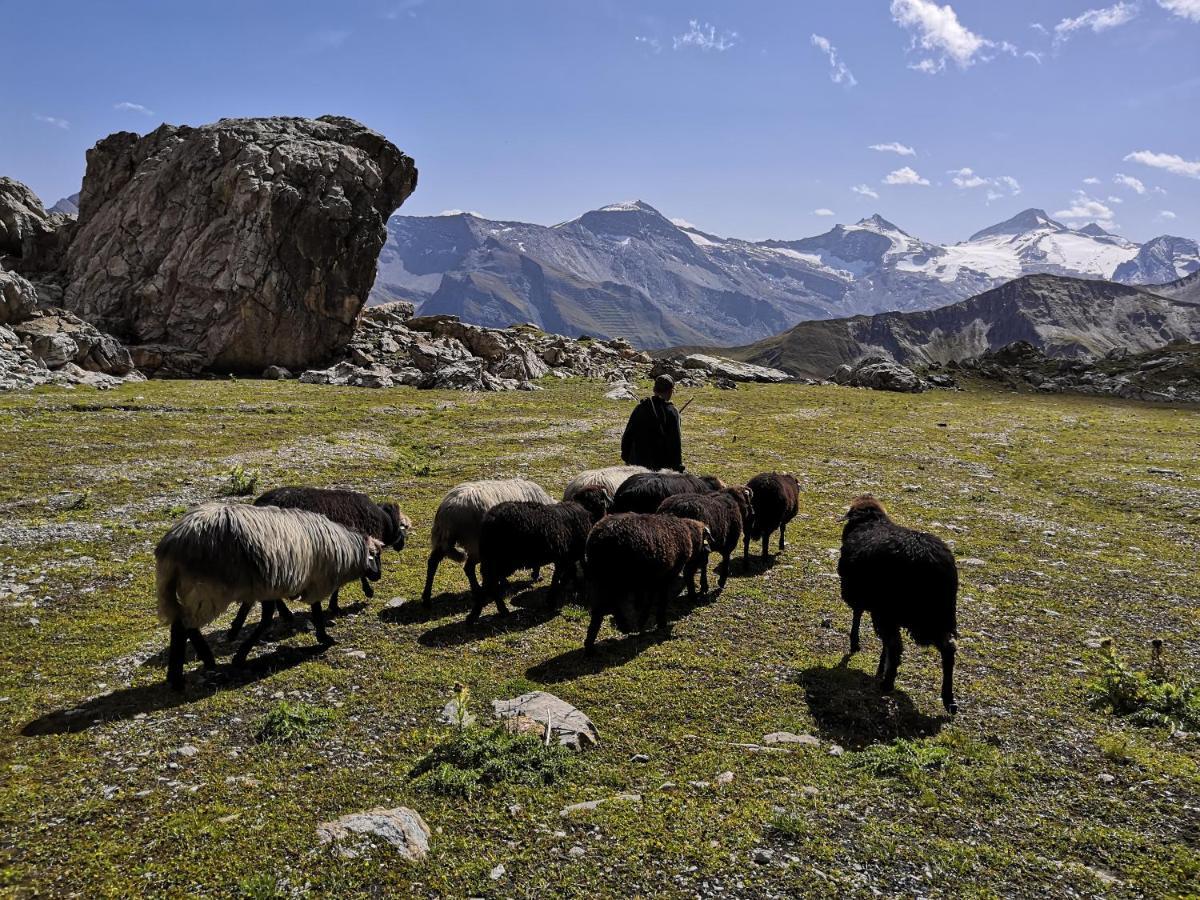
pixel 236 245
pixel 880 374
pixel 32 241
pixel 699 368
pixel 44 345
pixel 1170 374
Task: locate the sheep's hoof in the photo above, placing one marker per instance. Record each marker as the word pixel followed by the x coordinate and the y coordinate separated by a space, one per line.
pixel 854 647
pixel 951 708
pixel 325 640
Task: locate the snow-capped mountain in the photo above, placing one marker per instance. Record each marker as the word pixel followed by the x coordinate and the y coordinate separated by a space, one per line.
pixel 625 270
pixel 1159 261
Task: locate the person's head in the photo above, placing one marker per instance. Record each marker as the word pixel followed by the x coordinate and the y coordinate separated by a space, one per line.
pixel 664 387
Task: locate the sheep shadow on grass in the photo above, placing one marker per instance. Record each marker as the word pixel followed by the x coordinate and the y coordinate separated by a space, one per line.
pixel 529 609
pixel 607 654
pixel 126 703
pixel 848 708
pixel 281 629
pixel 752 566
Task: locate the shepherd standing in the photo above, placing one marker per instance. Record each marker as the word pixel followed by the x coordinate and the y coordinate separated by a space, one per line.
pixel 653 437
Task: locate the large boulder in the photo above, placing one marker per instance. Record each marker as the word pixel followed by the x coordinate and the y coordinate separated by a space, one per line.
pixel 880 374
pixel 718 366
pixel 236 245
pixel 58 338
pixel 31 240
pixel 18 298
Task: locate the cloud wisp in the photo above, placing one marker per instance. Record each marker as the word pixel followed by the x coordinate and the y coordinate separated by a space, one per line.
pixel 864 190
pixel 126 106
pixel 894 147
pixel 53 120
pixel 1095 20
pixel 937 32
pixel 1168 162
pixel 998 187
pixel 838 72
pixel 1134 184
pixel 823 212
pixel 1185 9
pixel 1087 208
pixel 905 175
pixel 705 37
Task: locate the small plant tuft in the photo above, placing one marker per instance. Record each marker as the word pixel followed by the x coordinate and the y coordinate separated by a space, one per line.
pixel 241 482
pixel 476 758
pixel 1153 698
pixel 261 886
pixel 904 760
pixel 287 723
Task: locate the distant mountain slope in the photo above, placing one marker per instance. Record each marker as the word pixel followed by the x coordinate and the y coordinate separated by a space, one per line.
pixel 628 271
pixel 1065 317
pixel 1186 289
pixel 1160 260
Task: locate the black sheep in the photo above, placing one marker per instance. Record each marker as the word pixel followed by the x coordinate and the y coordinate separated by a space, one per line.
pixel 523 534
pixel 632 564
pixel 776 500
pixel 350 509
pixel 905 579
pixel 645 492
pixel 726 512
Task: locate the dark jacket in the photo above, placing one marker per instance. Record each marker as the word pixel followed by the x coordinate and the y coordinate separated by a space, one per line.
pixel 653 436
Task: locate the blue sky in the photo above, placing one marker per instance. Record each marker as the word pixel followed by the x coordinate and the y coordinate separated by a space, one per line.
pixel 745 118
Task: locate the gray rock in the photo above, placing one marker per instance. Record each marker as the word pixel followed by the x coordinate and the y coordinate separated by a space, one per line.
pixel 276 373
pixel 249 242
pixel 18 298
pixel 590 805
pixel 883 375
pixel 401 827
pixel 786 737
pixel 31 239
pixel 733 370
pixel 571 727
pixel 622 391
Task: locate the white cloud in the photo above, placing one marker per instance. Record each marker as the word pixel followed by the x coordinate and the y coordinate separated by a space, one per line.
pixel 1035 56
pixel 1096 20
pixel 1092 180
pixel 404 7
pixel 838 73
pixel 1169 162
pixel 705 37
pixel 1157 190
pixel 126 106
pixel 969 178
pixel 1038 27
pixel 1166 215
pixel 823 212
pixel 937 31
pixel 894 147
pixel 905 175
pixel 1085 207
pixel 864 191
pixel 1114 199
pixel 53 120
pixel 1186 9
pixel 1130 182
pixel 652 42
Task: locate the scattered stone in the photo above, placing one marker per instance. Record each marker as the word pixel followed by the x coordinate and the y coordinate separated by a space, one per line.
pixel 571 727
pixel 724 778
pixel 276 373
pixel 576 852
pixel 452 714
pixel 497 873
pixel 1105 778
pixel 401 827
pixel 880 374
pixel 590 805
pixel 763 855
pixel 836 750
pixel 786 737
pixel 622 391
pixel 639 758
pixel 187 750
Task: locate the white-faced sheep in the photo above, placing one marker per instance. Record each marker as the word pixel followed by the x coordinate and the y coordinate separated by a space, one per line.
pixel 776 499
pixel 644 493
pixel 223 553
pixel 350 509
pixel 610 478
pixel 905 579
pixel 456 524
pixel 520 534
pixel 726 512
pixel 632 563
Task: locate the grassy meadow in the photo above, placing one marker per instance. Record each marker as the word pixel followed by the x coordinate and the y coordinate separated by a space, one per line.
pixel 1075 519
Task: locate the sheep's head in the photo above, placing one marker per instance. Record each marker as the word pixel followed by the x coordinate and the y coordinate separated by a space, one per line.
pixel 596 500
pixel 713 482
pixel 864 509
pixel 400 525
pixel 372 550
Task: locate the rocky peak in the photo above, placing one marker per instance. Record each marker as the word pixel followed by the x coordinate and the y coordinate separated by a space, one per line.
pixel 1023 222
pixel 877 221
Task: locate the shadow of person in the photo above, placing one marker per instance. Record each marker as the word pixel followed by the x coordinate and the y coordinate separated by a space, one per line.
pixel 529 610
pixel 848 708
pixel 126 703
pixel 608 653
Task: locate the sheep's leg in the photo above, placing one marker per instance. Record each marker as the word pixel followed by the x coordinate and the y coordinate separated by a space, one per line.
pixel 895 649
pixel 318 620
pixel 723 569
pixel 537 574
pixel 746 550
pixel 238 621
pixel 202 649
pixel 704 577
pixel 782 529
pixel 765 540
pixel 662 609
pixel 589 643
pixel 643 601
pixel 264 622
pixel 176 651
pixel 476 609
pixel 855 643
pixel 333 601
pixel 368 588
pixel 882 667
pixel 435 559
pixel 282 609
pixel 949 647
pixel 469 568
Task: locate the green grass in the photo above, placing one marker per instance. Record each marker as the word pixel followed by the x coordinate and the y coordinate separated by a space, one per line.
pixel 1155 698
pixel 473 759
pixel 287 723
pixel 1080 517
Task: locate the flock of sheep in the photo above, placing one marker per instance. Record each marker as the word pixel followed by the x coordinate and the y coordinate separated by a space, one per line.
pixel 636 534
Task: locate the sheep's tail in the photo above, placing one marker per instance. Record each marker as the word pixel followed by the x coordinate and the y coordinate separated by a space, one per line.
pixel 167 583
pixel 442 539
